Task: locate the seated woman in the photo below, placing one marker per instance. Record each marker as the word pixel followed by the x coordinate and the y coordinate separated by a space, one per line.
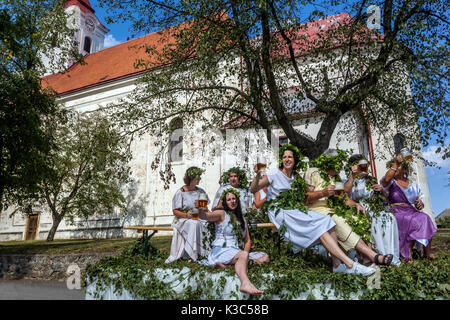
pixel 188 233
pixel 405 199
pixel 229 224
pixel 317 201
pixel 303 229
pixel 384 230
pixel 235 178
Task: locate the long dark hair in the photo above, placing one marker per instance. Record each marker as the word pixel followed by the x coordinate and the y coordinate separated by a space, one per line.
pixel 237 212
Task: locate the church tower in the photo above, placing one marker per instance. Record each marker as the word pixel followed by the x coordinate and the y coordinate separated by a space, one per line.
pixel 90 33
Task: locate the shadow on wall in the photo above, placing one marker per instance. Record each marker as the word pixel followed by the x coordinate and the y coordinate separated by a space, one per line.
pixel 101 226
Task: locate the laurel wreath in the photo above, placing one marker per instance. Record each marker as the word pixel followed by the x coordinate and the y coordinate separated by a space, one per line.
pixel 243 182
pixel 194 173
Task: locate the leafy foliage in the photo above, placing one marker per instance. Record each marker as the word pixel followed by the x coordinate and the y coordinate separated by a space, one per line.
pixel 358 221
pixel 194 173
pixel 86 170
pixel 243 182
pixel 324 162
pixel 26 35
pixel 291 275
pixel 212 48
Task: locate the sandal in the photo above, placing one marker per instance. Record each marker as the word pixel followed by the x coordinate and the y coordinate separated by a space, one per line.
pixel 386 261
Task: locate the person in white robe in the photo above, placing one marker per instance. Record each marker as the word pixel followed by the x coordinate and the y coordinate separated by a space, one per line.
pixel 188 233
pixel 384 229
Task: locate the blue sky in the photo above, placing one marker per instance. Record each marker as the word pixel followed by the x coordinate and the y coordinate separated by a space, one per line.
pixel 438 179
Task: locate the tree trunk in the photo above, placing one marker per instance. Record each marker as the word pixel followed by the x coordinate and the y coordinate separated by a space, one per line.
pixel 52 232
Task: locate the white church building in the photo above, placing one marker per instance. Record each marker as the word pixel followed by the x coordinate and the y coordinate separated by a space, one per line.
pixel 109 75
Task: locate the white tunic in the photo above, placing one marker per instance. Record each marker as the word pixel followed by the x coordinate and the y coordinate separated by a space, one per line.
pixel 188 234
pixel 302 229
pixel 384 229
pixel 225 245
pixel 245 196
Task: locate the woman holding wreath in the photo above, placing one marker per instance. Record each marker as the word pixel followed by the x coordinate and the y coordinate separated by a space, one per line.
pixel 302 227
pixel 188 233
pixel 365 190
pixel 230 228
pixel 405 198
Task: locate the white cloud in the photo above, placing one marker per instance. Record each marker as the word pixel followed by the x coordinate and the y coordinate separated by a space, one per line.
pixel 431 155
pixel 111 41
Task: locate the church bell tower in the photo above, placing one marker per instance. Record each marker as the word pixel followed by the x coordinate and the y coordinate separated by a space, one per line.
pixel 90 34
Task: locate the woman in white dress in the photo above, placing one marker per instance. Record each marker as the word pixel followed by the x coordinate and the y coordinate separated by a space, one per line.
pixel 384 229
pixel 188 233
pixel 303 229
pixel 225 251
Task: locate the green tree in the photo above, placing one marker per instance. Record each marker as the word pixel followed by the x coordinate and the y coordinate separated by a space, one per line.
pixel 27 35
pixel 86 169
pixel 225 59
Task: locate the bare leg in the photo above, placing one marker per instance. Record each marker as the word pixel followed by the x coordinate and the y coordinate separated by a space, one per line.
pixel 365 259
pixel 428 252
pixel 240 265
pixel 329 241
pixel 411 246
pixel 362 247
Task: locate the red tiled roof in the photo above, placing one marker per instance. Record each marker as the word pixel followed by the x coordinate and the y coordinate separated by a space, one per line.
pixel 84 5
pixel 103 66
pixel 118 61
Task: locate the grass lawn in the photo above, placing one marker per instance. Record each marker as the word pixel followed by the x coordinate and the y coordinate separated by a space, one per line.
pixel 441 244
pixel 61 246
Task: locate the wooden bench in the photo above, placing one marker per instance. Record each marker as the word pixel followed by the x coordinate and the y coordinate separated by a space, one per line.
pixel 147 237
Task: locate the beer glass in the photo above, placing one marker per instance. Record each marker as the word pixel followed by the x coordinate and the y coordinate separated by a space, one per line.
pixel 339 189
pixel 194 214
pixel 406 154
pixel 261 164
pixel 202 200
pixel 363 165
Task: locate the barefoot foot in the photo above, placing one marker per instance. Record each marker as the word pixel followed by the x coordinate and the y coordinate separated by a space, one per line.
pixel 248 287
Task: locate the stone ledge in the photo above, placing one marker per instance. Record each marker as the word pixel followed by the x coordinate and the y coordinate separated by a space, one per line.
pixel 45 266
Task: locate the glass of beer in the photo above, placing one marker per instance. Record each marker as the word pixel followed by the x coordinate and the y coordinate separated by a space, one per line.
pixel 202 200
pixel 363 166
pixel 406 154
pixel 261 164
pixel 339 189
pixel 194 214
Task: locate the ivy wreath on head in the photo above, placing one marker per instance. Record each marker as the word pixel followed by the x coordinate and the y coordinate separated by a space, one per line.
pixel 243 182
pixel 300 165
pixel 194 173
pixel 358 221
pixel 324 162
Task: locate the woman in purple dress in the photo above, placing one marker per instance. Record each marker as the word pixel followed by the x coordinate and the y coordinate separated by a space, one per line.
pixel 405 200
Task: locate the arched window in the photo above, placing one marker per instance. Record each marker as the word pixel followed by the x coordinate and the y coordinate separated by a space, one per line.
pixel 176 140
pixel 87 44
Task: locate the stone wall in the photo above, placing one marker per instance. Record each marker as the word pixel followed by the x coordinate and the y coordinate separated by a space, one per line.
pixel 44 266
